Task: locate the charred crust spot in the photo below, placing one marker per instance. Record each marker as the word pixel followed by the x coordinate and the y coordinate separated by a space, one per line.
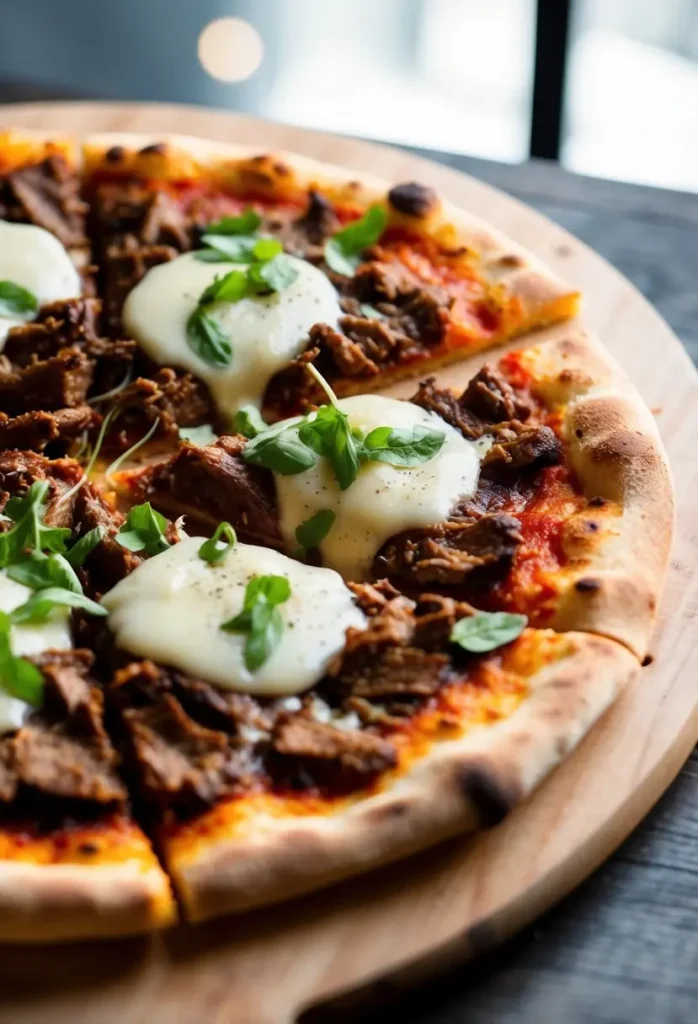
pixel 647 660
pixel 88 848
pixel 397 809
pixel 579 433
pixel 592 527
pixel 114 154
pixel 281 169
pixel 587 585
pixel 596 502
pixel 412 198
pixel 492 798
pixel 154 149
pixel 511 260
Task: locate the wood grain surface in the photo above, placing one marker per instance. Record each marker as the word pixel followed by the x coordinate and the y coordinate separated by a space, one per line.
pixel 468 895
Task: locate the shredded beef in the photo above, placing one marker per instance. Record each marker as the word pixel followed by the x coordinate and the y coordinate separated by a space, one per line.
pixel 435 617
pixel 396 672
pixel 332 756
pixel 108 562
pixel 491 397
pixel 35 430
pixel 448 553
pixel 126 265
pixel 174 397
pixel 67 323
pixel 412 198
pixel 46 194
pixel 55 383
pixel 306 235
pixel 446 405
pixel 19 470
pixel 337 352
pixel 148 215
pixel 531 449
pixel 214 483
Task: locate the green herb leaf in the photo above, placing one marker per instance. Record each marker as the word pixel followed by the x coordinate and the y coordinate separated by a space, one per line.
pixel 17 302
pixel 244 224
pixel 200 436
pixel 18 677
pixel 42 603
pixel 144 530
pixel 329 434
pixel 267 248
pixel 487 630
pixel 313 531
pixel 211 551
pixel 403 446
pixel 281 450
pixel 207 339
pixel 260 618
pixel 83 547
pixel 39 571
pixel 343 250
pixel 231 287
pixel 30 533
pixel 273 275
pixel 248 421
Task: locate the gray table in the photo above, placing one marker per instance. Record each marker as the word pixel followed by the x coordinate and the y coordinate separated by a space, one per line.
pixel 622 949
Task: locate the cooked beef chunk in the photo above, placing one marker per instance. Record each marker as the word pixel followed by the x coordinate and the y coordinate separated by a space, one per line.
pixel 435 617
pixel 449 407
pixel 63 752
pixel 150 216
pixel 332 756
pixel 413 199
pixel 395 672
pixel 46 194
pixel 60 381
pixel 67 323
pixel 215 483
pixel 19 470
pixel 448 553
pixel 531 449
pixel 174 397
pixel 125 265
pixel 35 430
pixel 306 235
pixel 108 562
pixel 339 353
pixel 491 397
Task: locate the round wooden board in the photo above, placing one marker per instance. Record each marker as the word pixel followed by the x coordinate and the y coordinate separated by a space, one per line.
pixel 466 895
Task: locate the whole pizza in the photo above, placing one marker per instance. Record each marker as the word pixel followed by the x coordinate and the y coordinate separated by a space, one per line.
pixel 263 627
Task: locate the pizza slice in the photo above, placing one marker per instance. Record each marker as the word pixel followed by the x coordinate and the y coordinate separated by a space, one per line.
pixel 530 491
pixel 73 861
pixel 241 268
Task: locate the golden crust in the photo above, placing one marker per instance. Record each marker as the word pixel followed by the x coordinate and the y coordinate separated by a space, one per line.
pixel 19 148
pixel 458 786
pixel 61 902
pixel 542 297
pixel 617 573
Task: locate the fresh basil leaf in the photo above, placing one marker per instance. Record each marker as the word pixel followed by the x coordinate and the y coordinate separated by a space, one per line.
pixel 39 571
pixel 17 302
pixel 485 631
pixel 17 508
pixel 267 248
pixel 260 618
pixel 230 288
pixel 207 339
pixel 248 421
pixel 200 436
pixel 83 547
pixel 42 603
pixel 244 224
pixel 272 275
pixel 343 250
pixel 234 249
pixel 313 531
pixel 18 676
pixel 29 531
pixel 330 435
pixel 403 446
pixel 144 530
pixel 281 450
pixel 215 256
pixel 211 551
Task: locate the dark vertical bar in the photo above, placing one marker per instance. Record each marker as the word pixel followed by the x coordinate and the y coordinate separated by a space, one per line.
pixel 552 32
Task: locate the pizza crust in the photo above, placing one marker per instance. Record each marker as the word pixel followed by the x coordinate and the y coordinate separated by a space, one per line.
pixel 61 902
pixel 619 553
pixel 459 786
pixel 542 297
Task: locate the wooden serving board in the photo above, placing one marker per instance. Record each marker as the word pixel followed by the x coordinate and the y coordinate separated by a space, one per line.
pixel 462 897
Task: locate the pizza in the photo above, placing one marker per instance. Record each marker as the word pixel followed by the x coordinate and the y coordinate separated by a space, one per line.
pixel 262 626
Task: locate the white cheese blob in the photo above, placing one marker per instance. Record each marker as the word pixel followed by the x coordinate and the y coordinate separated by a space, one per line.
pixel 36 260
pixel 26 641
pixel 384 500
pixel 265 331
pixel 172 606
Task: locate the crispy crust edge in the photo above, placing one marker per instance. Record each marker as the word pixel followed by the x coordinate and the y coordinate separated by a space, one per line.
pixel 617 454
pixel 460 786
pixel 543 297
pixel 63 902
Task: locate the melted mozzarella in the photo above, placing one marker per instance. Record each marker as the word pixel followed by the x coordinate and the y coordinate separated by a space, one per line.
pixel 384 500
pixel 265 331
pixel 172 606
pixel 34 258
pixel 28 640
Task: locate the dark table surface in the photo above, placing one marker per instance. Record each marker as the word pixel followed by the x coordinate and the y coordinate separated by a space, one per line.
pixel 623 948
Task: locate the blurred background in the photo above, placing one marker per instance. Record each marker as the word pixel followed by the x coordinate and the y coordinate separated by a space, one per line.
pixel 608 87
